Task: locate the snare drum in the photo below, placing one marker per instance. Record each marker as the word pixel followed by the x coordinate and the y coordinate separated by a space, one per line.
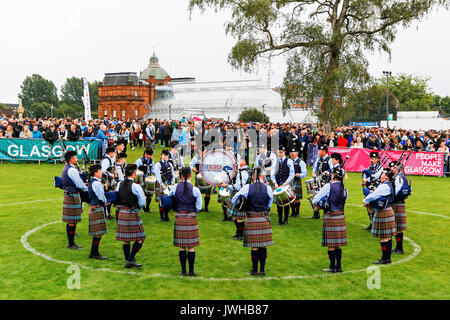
pixel 139 177
pixel 224 195
pixel 310 186
pixel 150 184
pixel 284 196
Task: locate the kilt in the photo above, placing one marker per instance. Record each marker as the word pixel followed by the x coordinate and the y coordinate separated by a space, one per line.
pixel 185 233
pixel 298 189
pixel 383 224
pixel 72 208
pixel 334 231
pixel 231 210
pixel 148 143
pixel 400 215
pixel 258 232
pixel 129 225
pixel 97 221
pixel 158 192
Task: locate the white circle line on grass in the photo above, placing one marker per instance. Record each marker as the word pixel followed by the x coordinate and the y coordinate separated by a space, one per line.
pixel 407 210
pixel 27 246
pixel 26 202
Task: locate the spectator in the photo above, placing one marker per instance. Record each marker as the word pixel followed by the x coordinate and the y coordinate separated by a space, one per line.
pixel 51 135
pixel 26 133
pixel 358 144
pixel 73 134
pixel 341 141
pixel 36 133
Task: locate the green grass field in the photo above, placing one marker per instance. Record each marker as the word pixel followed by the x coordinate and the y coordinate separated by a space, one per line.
pixel 28 200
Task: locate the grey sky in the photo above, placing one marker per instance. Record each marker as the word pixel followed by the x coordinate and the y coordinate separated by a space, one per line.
pixel 60 39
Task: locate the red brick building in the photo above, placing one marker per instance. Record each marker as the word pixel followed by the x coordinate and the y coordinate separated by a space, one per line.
pixel 124 95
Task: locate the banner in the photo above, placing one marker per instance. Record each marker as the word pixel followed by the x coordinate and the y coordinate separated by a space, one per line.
pixel 86 101
pixel 42 150
pixel 420 163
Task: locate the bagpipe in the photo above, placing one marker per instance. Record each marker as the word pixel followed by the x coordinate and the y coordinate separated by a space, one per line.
pixel 406 189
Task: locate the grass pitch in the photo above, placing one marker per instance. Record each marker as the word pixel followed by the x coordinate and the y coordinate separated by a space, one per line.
pixel 28 200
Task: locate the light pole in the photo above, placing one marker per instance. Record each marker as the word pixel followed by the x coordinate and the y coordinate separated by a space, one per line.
pixel 51 111
pixel 170 112
pixel 263 112
pixel 387 74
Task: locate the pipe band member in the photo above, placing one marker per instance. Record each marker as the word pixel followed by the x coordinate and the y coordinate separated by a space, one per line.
pixel 72 205
pixel 195 167
pixel 369 176
pixel 283 175
pixel 383 225
pixel 331 198
pixel 188 200
pixel 398 206
pixel 108 164
pixel 165 177
pixel 131 199
pixel 268 161
pixel 300 173
pixel 97 202
pixel 242 178
pixel 258 232
pixel 146 165
pixel 322 166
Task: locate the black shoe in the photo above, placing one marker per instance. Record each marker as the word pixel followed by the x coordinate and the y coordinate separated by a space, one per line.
pixel 131 264
pixel 183 274
pixel 161 220
pixel 98 257
pixel 225 219
pixel 109 217
pixel 74 247
pixel 192 274
pixel 285 222
pixel 382 261
pixel 280 223
pixel 368 228
pixel 206 210
pixel 253 273
pixel 316 216
pixel 262 274
pixel 167 220
pixel 338 270
pixel 145 210
pixel 235 237
pixel 331 270
pixel 397 251
pixel 240 238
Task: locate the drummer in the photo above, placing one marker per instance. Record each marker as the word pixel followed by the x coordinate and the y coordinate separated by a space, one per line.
pixel 146 165
pixel 300 173
pixel 120 166
pixel 267 160
pixel 242 178
pixel 336 162
pixel 258 232
pixel 283 176
pixel 165 177
pixel 174 158
pixel 323 165
pixel 195 167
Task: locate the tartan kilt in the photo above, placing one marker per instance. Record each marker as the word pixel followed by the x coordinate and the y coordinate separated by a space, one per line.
pixel 185 233
pixel 159 192
pixel 148 143
pixel 400 215
pixel 258 232
pixel 97 221
pixel 129 225
pixel 232 211
pixel 334 231
pixel 383 224
pixel 298 189
pixel 72 208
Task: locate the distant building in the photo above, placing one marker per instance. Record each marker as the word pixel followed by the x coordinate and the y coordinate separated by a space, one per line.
pixel 124 95
pixel 10 109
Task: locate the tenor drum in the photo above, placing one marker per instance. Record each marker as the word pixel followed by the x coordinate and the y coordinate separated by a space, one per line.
pixel 150 184
pixel 284 196
pixel 200 182
pixel 309 186
pixel 139 177
pixel 224 195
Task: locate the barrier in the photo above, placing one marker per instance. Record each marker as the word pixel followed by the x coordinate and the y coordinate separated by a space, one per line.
pixel 37 150
pixel 420 163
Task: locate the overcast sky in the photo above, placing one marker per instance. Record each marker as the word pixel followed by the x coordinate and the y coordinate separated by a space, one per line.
pixel 62 38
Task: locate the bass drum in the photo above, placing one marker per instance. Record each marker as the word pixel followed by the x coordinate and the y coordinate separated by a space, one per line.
pixel 218 167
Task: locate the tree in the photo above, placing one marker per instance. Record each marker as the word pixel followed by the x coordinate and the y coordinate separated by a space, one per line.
pixel 93 93
pixel 324 40
pixel 72 91
pixel 412 92
pixel 253 115
pixel 442 103
pixel 36 89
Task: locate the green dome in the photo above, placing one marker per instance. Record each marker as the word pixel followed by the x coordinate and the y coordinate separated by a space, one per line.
pixel 154 70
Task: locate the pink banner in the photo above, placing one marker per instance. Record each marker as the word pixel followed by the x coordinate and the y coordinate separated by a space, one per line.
pixel 420 163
